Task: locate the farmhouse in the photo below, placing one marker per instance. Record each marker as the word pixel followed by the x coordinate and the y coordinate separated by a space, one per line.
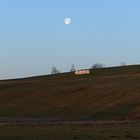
pixel 82 72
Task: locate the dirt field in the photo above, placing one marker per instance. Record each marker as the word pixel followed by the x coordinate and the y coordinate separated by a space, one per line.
pixel 77 131
pixel 70 107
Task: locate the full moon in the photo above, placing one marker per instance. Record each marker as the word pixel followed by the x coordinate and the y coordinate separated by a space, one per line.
pixel 67 21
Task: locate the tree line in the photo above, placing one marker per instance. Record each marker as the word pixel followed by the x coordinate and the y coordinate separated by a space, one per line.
pixel 72 69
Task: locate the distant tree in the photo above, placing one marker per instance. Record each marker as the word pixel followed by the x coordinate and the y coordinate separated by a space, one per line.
pixel 97 66
pixel 123 64
pixel 55 70
pixel 72 68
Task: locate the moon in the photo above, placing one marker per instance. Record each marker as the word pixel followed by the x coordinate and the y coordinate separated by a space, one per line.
pixel 67 21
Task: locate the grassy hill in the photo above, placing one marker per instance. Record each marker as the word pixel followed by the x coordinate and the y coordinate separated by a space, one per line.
pixel 105 94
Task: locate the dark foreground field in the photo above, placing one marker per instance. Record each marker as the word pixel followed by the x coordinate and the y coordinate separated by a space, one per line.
pixel 128 131
pixel 106 95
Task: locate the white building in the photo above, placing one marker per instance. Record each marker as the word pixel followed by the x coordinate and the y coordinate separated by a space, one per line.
pixel 82 72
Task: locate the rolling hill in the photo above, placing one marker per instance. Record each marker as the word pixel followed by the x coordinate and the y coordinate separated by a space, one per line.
pixel 106 94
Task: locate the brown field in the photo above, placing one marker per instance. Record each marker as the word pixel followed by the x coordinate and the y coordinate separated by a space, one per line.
pixel 74 131
pixel 110 96
pixel 106 94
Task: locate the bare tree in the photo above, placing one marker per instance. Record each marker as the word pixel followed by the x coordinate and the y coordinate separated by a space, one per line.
pixel 55 70
pixel 72 68
pixel 123 64
pixel 97 66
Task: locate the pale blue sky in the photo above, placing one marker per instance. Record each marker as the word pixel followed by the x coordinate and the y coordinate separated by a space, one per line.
pixel 33 36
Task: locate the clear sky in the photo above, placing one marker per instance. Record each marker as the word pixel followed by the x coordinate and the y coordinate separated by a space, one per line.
pixel 33 36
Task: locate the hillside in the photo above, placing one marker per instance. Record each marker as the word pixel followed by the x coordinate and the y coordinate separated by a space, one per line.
pixel 105 94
